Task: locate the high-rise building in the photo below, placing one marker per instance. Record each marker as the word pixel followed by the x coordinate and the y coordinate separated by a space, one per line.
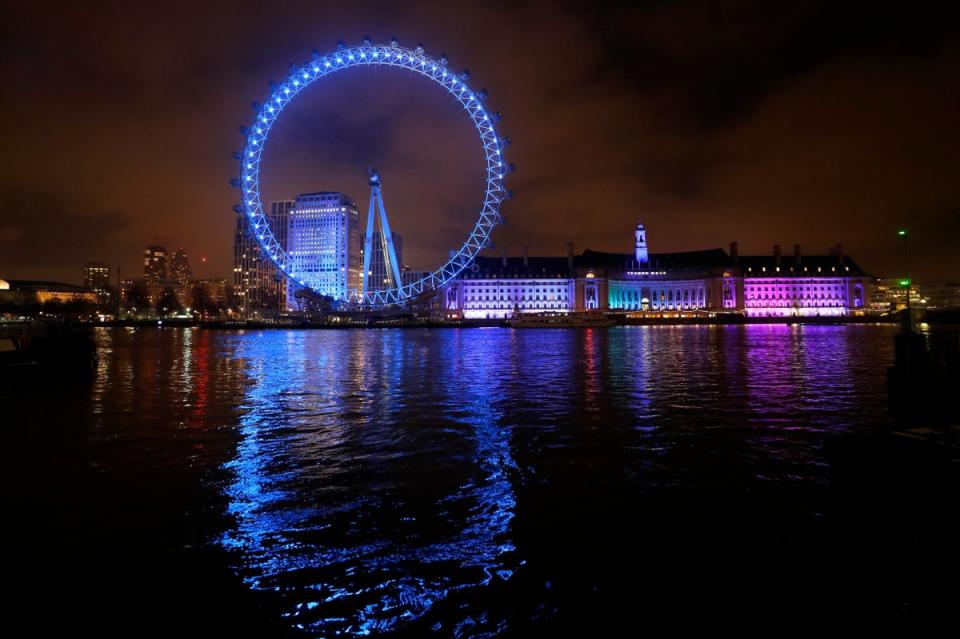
pixel 279 220
pixel 250 271
pixel 96 277
pixel 256 280
pixel 155 264
pixel 180 267
pixel 323 245
pixel 280 225
pixel 381 276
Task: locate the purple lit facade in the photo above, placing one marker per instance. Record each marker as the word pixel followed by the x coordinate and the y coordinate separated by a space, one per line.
pixel 688 283
pixel 805 286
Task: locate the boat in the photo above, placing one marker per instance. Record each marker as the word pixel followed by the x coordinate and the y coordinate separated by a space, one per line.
pixel 587 319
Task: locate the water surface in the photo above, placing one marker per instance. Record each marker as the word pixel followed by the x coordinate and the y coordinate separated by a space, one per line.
pixel 443 482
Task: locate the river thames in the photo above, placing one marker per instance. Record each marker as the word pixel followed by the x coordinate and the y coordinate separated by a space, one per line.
pixel 445 482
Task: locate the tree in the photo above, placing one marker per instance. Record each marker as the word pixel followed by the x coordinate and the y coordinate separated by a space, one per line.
pixel 20 305
pixel 138 298
pixel 168 303
pixel 202 303
pixel 234 299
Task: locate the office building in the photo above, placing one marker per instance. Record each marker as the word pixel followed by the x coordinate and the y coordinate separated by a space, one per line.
pixel 324 246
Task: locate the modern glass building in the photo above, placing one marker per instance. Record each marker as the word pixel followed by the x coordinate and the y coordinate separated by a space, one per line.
pixel 323 245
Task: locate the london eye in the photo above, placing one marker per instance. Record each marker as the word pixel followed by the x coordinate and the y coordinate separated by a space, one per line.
pixel 390 55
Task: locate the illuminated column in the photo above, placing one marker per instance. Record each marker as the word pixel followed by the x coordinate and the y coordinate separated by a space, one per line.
pixel 390 254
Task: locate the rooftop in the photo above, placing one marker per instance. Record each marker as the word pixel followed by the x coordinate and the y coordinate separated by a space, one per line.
pixel 754 265
pixel 684 261
pixel 681 261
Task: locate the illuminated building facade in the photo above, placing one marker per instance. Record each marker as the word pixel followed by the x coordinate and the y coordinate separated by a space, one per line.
pixel 686 283
pixel 889 295
pixel 258 285
pixel 279 221
pixel 180 267
pixel 155 264
pixel 506 286
pixel 820 285
pixel 43 292
pixel 96 277
pixel 250 271
pixel 323 245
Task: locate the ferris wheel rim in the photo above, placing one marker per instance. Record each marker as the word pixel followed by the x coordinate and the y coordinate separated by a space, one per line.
pixel 394 56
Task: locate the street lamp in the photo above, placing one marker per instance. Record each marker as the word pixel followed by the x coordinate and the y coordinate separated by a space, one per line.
pixel 905 282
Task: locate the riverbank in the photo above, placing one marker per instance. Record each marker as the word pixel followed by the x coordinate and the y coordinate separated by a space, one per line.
pixel 359 322
pixel 27 351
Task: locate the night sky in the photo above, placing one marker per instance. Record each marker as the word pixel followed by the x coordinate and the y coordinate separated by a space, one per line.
pixel 813 123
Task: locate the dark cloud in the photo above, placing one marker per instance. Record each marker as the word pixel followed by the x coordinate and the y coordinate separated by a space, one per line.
pixel 45 235
pixel 811 123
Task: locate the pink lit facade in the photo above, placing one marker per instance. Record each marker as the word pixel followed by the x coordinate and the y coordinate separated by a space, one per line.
pixel 803 286
pixel 780 297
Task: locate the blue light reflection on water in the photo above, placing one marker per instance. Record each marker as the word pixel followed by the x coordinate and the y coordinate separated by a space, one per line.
pixel 378 473
pixel 311 461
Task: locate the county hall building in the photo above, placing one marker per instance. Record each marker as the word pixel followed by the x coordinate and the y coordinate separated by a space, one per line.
pixel 687 283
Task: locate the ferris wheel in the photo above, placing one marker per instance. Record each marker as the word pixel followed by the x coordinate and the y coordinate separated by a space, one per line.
pixel 390 55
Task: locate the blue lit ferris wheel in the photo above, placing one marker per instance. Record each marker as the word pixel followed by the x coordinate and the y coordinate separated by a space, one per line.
pixel 388 55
